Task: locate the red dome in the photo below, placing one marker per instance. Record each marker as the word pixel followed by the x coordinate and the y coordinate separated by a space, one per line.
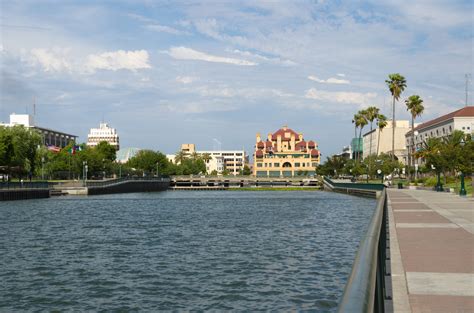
pixel 300 145
pixel 311 144
pixel 314 153
pixel 260 145
pixel 259 154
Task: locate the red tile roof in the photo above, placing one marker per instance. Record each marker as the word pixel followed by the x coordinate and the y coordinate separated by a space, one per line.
pixel 282 132
pixel 464 112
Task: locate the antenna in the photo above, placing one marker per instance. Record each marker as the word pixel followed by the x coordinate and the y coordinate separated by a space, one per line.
pixel 467 77
pixel 34 108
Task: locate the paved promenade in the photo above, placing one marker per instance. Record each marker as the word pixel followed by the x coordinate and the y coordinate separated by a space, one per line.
pixel 432 251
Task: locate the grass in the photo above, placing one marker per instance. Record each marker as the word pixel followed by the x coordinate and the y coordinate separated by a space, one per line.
pixel 457 186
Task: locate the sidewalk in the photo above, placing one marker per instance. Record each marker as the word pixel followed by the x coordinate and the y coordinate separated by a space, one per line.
pixel 432 251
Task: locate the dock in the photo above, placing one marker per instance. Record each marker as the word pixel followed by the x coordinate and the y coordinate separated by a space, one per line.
pixel 432 251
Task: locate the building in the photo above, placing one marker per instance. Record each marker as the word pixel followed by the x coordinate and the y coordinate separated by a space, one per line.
pixel 285 153
pixel 217 160
pixel 50 137
pixel 462 119
pixel 346 153
pixel 103 133
pixel 125 154
pixel 383 140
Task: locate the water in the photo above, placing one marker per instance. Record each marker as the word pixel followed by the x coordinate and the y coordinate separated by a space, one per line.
pixel 181 250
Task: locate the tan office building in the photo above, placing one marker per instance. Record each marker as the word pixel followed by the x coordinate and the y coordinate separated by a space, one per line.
pixel 385 141
pixel 285 153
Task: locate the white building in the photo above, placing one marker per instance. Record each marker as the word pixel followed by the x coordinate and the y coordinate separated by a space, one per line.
pixel 103 133
pixel 50 137
pixel 385 142
pixel 220 160
pixel 462 119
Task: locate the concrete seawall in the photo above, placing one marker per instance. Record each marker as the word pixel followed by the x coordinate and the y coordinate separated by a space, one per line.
pixel 23 194
pixel 129 186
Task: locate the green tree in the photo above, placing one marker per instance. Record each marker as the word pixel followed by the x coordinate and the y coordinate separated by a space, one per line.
pixel 246 171
pixel 396 84
pixel 371 113
pixel 381 124
pixel 106 150
pixel 180 156
pixel 415 106
pixel 361 122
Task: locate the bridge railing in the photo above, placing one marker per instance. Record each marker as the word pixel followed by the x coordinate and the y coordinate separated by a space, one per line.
pixel 368 288
pixel 110 182
pixel 364 186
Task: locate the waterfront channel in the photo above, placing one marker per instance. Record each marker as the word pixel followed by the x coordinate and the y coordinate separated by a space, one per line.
pixel 180 250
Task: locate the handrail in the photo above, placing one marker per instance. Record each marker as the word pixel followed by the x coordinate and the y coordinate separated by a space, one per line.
pixel 117 181
pixel 365 186
pixel 365 288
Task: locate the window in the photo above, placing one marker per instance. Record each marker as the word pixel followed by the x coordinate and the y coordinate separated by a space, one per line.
pixel 468 127
pixel 297 165
pixel 259 164
pixel 463 128
pixel 276 164
pixel 304 164
pixel 444 131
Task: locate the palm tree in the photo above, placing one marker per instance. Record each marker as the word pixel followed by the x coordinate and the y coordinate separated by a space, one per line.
pixel 371 114
pixel 180 157
pixel 381 124
pixel 361 121
pixel 195 156
pixel 396 84
pixel 206 157
pixel 415 106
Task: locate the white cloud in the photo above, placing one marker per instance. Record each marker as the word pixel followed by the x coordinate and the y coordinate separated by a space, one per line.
pixel 341 75
pixel 341 96
pixel 164 29
pixel 229 92
pixel 117 60
pixel 330 80
pixel 264 58
pixel 51 60
pixel 186 79
pixel 183 53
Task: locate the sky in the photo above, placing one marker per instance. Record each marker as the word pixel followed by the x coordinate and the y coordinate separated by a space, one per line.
pixel 207 72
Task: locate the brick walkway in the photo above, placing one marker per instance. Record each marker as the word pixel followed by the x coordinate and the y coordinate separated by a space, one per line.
pixel 432 251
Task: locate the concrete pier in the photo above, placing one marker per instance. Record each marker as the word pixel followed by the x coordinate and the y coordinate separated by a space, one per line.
pixel 432 251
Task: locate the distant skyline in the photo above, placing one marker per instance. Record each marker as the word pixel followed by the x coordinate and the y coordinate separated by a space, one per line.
pixel 164 72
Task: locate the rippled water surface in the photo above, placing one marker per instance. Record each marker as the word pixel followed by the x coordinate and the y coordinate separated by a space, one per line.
pixel 181 250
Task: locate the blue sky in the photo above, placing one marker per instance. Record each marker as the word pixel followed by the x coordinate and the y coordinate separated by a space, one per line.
pixel 170 72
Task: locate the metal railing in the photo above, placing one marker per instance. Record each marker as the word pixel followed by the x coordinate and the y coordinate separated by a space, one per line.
pixel 25 185
pixel 369 286
pixel 369 186
pixel 111 182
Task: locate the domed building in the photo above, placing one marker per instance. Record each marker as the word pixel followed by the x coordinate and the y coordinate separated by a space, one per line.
pixel 285 153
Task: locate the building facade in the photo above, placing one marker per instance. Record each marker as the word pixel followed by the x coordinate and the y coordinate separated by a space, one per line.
pixel 49 136
pixel 462 119
pixel 285 153
pixel 218 160
pixel 383 140
pixel 103 133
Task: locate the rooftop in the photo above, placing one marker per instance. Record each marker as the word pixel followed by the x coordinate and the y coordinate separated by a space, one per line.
pixel 464 112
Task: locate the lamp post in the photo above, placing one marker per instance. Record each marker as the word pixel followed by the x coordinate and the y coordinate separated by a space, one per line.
pixel 157 163
pixel 84 172
pixel 462 192
pixel 42 168
pixel 379 171
pixel 439 187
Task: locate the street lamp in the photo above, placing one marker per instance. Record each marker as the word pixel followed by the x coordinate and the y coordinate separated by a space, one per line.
pixel 84 172
pixel 462 192
pixel 439 187
pixel 379 171
pixel 42 168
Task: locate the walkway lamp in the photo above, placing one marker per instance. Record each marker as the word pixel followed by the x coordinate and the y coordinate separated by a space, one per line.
pixel 462 192
pixel 379 171
pixel 438 187
pixel 42 168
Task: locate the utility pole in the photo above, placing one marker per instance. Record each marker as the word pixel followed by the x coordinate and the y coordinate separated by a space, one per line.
pixel 468 77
